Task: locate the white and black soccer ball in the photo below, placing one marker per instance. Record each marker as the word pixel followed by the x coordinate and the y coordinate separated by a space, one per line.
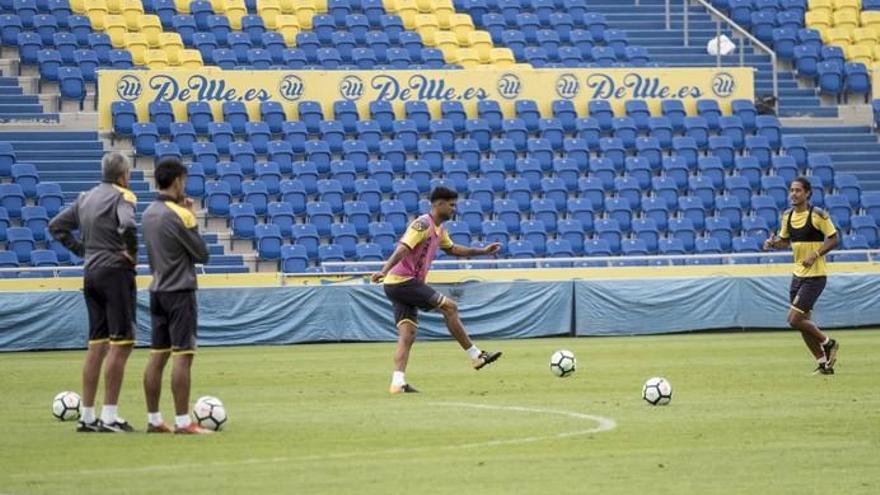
pixel 657 391
pixel 210 413
pixel 563 363
pixel 65 406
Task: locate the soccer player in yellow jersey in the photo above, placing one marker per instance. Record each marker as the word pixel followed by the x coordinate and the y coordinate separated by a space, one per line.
pixel 811 234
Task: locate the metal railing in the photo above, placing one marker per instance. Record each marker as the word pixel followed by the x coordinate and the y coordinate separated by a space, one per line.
pixel 739 33
pixel 369 267
pixel 56 271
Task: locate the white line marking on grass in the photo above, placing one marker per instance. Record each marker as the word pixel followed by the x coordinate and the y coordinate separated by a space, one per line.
pixel 603 424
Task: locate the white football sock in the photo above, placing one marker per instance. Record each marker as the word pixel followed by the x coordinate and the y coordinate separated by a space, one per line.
pixel 474 352
pixel 182 421
pixel 825 342
pixel 155 418
pixel 108 414
pixel 88 414
pixel 397 379
pixel 822 360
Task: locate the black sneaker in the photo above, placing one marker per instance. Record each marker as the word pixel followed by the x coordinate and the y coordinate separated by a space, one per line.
pixel 404 389
pixel 118 426
pixel 823 369
pixel 486 358
pixel 830 348
pixel 83 427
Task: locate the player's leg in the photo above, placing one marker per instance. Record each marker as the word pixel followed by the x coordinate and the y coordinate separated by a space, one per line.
pixel 407 327
pixel 449 309
pixel 120 294
pixel 182 324
pixel 804 296
pixel 160 351
pixel 97 351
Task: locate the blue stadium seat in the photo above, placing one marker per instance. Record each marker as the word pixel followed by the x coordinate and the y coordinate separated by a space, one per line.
pixel 294 193
pixel 195 180
pixel 394 212
pixel 257 194
pixel 765 206
pixel 609 230
pixel 674 111
pixel 683 229
pixel 243 220
pixel 307 173
pixel 306 235
pixel 294 258
pixel 268 241
pixel 208 156
pixel 581 210
pixel 839 208
pixel 645 229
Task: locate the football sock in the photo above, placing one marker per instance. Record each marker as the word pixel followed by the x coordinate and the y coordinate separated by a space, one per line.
pixel 88 414
pixel 825 342
pixel 397 379
pixel 822 360
pixel 108 414
pixel 182 421
pixel 473 352
pixel 155 418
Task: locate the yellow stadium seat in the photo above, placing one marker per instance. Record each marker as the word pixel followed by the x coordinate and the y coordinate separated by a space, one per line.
pixel 183 6
pixel 444 10
pixel 467 58
pixel 78 6
pixel 864 36
pixel 172 43
pixel 481 41
pixel 427 25
pixel 425 6
pixel 288 26
pixel 845 18
pixel 287 6
pixel 116 29
pixel 305 10
pixel 407 11
pixel 150 26
pixel 869 18
pixel 855 6
pixel 860 53
pixel 133 11
pixel 840 36
pixel 218 6
pixel 321 6
pixel 137 44
pixel 876 53
pixel 462 26
pixel 157 59
pixel 502 57
pixel 818 19
pixel 96 10
pixel 235 10
pixel 115 6
pixel 190 59
pixel 269 10
pixel 821 5
pixel 445 41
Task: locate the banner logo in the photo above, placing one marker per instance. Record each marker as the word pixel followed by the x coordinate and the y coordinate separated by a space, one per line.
pixel 723 85
pixel 351 88
pixel 509 86
pixel 567 86
pixel 291 87
pixel 129 87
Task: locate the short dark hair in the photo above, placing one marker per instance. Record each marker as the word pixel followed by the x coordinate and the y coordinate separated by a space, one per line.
pixel 806 184
pixel 167 171
pixel 443 193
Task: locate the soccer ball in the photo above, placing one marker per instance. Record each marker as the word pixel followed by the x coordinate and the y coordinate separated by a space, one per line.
pixel 562 363
pixel 209 413
pixel 65 406
pixel 657 391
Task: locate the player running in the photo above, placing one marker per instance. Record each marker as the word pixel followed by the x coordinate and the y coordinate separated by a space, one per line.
pixel 174 246
pixel 105 218
pixel 404 277
pixel 811 235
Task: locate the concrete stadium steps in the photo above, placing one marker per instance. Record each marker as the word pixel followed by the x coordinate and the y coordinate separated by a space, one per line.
pixel 645 25
pixel 853 150
pixel 17 107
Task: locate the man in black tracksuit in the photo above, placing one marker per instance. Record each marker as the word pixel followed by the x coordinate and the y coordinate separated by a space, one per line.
pixel 105 218
pixel 174 246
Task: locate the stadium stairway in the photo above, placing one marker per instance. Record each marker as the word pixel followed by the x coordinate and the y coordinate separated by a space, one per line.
pixel 854 150
pixel 645 25
pixel 73 160
pixel 18 107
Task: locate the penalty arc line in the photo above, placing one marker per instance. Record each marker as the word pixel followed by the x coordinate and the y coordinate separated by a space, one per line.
pixel 603 424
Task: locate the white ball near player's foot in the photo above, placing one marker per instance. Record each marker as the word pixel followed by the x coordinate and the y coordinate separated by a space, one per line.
pixel 657 391
pixel 210 413
pixel 65 406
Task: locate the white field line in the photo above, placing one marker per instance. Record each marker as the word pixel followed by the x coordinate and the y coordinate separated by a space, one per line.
pixel 602 424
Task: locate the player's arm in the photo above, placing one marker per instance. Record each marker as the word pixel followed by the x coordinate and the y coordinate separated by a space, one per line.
pixel 823 223
pixel 186 231
pixel 464 251
pixel 62 226
pixel 781 241
pixel 125 213
pixel 400 252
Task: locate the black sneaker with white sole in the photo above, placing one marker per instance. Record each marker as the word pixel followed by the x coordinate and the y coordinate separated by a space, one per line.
pixel 823 369
pixel 83 427
pixel 118 426
pixel 830 349
pixel 486 358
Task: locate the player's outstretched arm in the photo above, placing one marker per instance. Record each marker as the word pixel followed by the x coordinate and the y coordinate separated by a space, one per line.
pixel 399 253
pixel 775 242
pixel 464 251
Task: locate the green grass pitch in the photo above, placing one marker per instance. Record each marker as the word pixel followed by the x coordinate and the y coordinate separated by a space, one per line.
pixel 746 417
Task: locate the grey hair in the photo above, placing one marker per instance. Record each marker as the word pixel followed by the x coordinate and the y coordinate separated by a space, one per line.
pixel 114 166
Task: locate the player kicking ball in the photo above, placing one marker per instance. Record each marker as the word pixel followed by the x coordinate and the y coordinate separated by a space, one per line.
pixel 404 277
